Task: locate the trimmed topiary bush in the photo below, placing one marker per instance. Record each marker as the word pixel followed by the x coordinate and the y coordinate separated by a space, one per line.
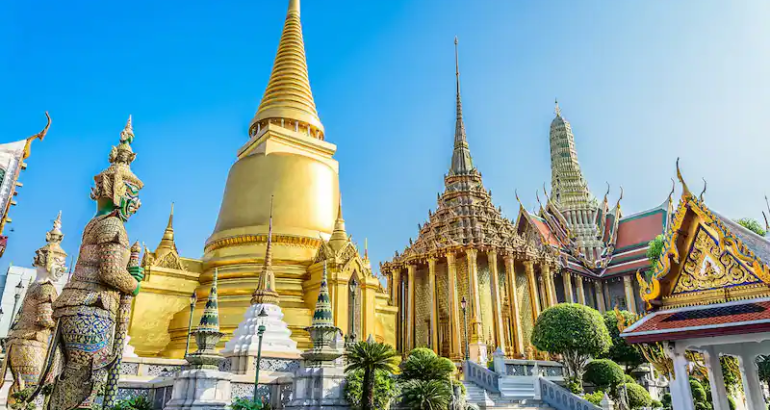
pixel 638 397
pixel 628 379
pixel 574 331
pixel 595 398
pixel 698 392
pixel 603 373
pixel 656 404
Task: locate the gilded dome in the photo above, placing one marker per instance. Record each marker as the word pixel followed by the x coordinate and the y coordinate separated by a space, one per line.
pixel 305 190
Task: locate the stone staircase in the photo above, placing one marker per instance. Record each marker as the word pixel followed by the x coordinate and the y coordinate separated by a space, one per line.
pixel 488 400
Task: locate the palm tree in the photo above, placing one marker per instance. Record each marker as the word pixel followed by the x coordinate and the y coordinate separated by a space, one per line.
pixel 426 394
pixel 371 357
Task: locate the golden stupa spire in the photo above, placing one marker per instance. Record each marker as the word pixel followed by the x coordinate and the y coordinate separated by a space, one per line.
pixel 339 236
pixel 265 292
pixel 288 97
pixel 167 242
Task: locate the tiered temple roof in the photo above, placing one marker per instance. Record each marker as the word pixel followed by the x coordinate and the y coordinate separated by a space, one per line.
pixel 465 216
pixel 594 238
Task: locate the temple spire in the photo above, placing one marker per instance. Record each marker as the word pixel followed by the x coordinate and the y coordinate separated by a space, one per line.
pixel 569 189
pixel 288 97
pixel 167 242
pixel 323 315
pixel 462 163
pixel 265 292
pixel 210 318
pixel 339 236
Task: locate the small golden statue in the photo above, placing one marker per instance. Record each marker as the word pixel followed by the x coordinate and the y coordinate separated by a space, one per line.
pixel 89 307
pixel 28 338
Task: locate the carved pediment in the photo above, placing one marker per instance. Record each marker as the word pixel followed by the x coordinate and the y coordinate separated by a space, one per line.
pixel 708 267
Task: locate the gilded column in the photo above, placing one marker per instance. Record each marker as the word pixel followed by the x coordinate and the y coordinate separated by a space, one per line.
pixel 529 269
pixel 455 331
pixel 630 300
pixel 411 268
pixel 567 279
pixel 433 308
pixel 389 276
pixel 599 296
pixel 550 288
pixel 496 302
pixel 473 273
pixel 513 300
pixel 580 291
pixel 397 292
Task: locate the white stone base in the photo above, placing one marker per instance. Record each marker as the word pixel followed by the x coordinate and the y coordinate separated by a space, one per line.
pixel 201 389
pixel 478 353
pixel 276 341
pixel 319 388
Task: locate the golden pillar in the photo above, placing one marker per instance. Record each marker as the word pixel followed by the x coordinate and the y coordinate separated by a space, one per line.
pixel 411 268
pixel 550 288
pixel 496 302
pixel 567 279
pixel 473 272
pixel 433 304
pixel 630 301
pixel 455 331
pixel 580 291
pixel 397 302
pixel 599 296
pixel 529 269
pixel 513 300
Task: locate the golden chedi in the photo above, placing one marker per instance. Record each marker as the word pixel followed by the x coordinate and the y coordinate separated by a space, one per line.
pixel 288 159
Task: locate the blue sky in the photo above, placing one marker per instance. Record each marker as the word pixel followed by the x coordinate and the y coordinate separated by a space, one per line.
pixel 641 83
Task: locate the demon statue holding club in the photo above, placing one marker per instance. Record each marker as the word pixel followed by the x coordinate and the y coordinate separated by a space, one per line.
pixel 31 329
pixel 89 309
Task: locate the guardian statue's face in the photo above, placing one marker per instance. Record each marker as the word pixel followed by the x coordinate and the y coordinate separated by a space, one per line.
pixel 129 203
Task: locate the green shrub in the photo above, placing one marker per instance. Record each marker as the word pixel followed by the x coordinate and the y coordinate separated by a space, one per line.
pixel 666 400
pixel 621 352
pixel 628 379
pixel 573 384
pixel 425 394
pixel 731 403
pixel 574 331
pixel 656 404
pixel 424 364
pixel 603 373
pixel 638 397
pixel 595 398
pixel 134 403
pixel 384 389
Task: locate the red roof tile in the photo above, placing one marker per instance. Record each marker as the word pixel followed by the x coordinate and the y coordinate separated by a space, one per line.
pixel 703 321
pixel 642 229
pixel 545 231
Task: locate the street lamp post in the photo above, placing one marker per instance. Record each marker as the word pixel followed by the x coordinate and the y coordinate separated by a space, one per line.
pixel 463 306
pixel 193 299
pixel 353 288
pixel 260 332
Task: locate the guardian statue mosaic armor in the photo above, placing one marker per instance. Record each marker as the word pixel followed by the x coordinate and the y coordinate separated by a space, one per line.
pixel 88 309
pixel 28 339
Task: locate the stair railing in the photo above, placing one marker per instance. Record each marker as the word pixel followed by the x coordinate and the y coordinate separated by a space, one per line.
pixel 562 399
pixel 481 376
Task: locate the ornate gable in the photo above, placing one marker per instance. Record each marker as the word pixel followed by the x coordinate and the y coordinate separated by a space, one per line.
pixel 705 259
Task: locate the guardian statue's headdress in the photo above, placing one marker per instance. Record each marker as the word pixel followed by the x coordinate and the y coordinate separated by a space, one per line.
pixel 51 256
pixel 117 183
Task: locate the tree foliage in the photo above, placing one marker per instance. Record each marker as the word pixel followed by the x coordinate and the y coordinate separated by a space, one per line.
pixel 423 364
pixel 371 357
pixel 655 248
pixel 595 398
pixel 620 351
pixel 752 225
pixel 574 331
pixel 638 397
pixel 426 394
pixel 384 390
pixel 763 361
pixel 603 374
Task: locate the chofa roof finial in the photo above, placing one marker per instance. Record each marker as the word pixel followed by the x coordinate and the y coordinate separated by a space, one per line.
pixel 705 185
pixel 685 189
